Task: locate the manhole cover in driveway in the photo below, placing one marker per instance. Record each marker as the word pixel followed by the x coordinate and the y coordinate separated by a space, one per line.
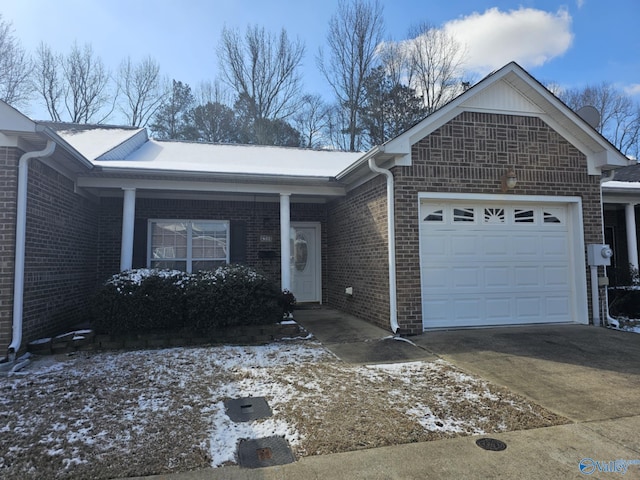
pixel 264 452
pixel 247 409
pixel 491 444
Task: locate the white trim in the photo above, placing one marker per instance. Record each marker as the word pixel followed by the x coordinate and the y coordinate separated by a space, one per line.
pixel 128 225
pixel 318 265
pixel 285 246
pixel 575 227
pixel 197 185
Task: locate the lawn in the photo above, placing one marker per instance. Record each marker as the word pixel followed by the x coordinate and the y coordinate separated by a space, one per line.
pixel 134 413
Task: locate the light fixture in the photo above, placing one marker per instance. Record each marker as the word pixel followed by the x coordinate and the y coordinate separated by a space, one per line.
pixel 509 180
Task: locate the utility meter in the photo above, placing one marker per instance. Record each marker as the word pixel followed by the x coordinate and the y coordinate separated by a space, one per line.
pixel 599 255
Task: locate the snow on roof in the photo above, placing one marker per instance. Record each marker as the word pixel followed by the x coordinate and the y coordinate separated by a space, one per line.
pixel 97 141
pixel 631 185
pixel 242 159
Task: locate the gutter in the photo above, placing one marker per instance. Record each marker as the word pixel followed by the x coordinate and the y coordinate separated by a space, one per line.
pixel 393 299
pixel 21 225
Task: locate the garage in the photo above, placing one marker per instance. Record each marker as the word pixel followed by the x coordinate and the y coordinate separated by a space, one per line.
pixel 488 262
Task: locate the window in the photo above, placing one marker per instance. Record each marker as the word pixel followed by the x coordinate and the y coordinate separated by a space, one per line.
pixel 187 245
pixel 494 215
pixel 435 215
pixel 463 214
pixel 524 216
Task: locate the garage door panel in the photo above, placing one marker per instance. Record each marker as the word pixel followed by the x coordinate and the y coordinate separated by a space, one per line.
pixel 556 276
pixel 464 245
pixel 466 277
pixel 496 270
pixel 555 246
pixel 526 276
pixel 497 277
pixel 437 278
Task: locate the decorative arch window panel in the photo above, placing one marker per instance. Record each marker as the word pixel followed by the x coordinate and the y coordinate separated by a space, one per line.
pixel 188 245
pixel 497 215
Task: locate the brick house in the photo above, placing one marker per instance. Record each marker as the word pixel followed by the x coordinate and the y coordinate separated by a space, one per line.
pixel 478 215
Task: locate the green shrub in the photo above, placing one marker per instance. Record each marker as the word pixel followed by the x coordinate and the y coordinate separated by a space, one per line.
pixel 139 300
pixel 233 295
pixel 147 300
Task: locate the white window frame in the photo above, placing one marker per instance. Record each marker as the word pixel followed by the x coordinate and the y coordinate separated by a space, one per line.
pixel 189 258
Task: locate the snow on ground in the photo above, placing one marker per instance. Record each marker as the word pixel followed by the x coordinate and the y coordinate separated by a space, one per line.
pixel 135 413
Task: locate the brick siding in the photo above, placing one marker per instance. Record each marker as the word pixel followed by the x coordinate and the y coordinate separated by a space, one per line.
pixel 260 218
pixel 60 250
pixel 470 154
pixel 358 252
pixel 8 185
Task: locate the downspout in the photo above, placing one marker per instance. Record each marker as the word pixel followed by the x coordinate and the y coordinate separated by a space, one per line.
pixel 21 226
pixel 393 300
pixel 611 322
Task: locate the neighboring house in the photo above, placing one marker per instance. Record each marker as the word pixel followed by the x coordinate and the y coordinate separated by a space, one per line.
pixel 620 198
pixel 478 215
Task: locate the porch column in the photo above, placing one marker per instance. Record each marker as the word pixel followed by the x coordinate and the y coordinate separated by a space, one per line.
pixel 632 240
pixel 128 218
pixel 285 246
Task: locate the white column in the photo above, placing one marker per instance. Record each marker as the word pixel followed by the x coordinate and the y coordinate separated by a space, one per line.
pixel 128 219
pixel 632 240
pixel 285 246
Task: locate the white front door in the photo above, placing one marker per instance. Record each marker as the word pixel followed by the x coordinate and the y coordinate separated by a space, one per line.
pixel 305 261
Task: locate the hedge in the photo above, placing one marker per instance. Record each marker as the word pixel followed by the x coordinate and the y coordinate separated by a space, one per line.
pixel 145 300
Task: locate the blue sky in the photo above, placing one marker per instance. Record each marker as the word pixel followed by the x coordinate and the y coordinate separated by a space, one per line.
pixel 571 43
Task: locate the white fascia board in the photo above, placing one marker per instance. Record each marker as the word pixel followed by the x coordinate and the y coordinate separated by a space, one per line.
pixel 490 197
pixel 222 187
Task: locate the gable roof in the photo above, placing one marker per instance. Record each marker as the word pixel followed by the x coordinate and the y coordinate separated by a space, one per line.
pixel 510 90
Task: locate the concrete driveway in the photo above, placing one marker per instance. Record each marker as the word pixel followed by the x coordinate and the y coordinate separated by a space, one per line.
pixel 582 372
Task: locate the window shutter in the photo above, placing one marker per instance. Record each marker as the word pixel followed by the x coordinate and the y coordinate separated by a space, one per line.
pixel 238 235
pixel 139 243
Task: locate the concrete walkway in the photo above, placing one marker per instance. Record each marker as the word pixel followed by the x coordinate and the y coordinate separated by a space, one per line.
pixel 589 375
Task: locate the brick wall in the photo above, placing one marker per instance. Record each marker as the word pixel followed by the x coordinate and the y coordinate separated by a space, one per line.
pixel 260 218
pixel 469 155
pixel 357 227
pixel 60 254
pixel 8 185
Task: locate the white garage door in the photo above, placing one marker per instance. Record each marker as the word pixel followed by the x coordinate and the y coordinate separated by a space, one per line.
pixel 494 264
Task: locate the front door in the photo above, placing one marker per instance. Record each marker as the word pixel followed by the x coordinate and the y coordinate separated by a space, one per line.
pixel 305 261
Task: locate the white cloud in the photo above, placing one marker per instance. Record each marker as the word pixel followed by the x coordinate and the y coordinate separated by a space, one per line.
pixel 528 36
pixel 633 89
pixel 580 3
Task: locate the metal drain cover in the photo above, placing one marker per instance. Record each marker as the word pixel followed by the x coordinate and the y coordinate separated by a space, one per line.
pixel 491 444
pixel 247 409
pixel 264 452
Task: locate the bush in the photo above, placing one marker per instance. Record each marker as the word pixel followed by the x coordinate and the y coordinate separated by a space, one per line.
pixel 147 300
pixel 140 300
pixel 624 302
pixel 233 295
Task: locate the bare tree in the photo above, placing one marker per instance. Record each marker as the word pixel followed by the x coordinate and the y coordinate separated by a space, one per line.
pixel 619 114
pixel 263 71
pixel 311 121
pixel 142 89
pixel 86 85
pixel 47 80
pixel 435 61
pixel 355 30
pixel 15 67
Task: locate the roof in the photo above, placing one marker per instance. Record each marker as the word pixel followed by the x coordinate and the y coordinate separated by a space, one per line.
pixel 97 141
pixel 156 155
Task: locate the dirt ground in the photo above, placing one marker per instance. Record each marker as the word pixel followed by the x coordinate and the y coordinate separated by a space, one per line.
pixel 106 415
